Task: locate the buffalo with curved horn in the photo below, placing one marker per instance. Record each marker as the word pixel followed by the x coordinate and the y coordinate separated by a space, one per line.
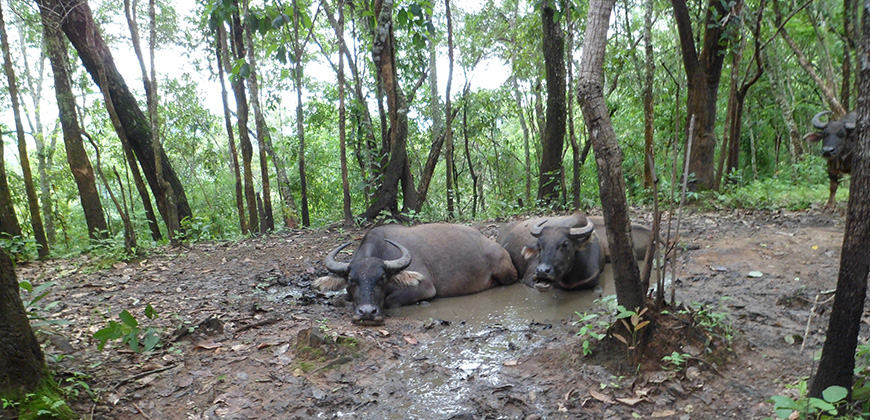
pixel 838 142
pixel 397 265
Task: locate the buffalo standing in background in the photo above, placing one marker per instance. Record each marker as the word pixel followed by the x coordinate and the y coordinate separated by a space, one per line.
pixel 838 142
pixel 397 265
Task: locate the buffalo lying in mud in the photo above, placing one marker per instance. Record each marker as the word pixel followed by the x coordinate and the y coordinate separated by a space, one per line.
pixel 397 265
pixel 568 252
pixel 838 141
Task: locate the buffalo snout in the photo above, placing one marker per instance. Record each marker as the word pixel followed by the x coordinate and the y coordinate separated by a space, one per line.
pixel 545 271
pixel 368 314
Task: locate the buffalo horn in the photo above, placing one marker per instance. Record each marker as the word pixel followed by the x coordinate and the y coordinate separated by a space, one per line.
pixel 537 229
pixel 340 268
pixel 817 120
pixel 576 233
pixel 849 123
pixel 397 265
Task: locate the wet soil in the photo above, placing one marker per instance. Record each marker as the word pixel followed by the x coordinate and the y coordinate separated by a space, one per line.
pixel 243 335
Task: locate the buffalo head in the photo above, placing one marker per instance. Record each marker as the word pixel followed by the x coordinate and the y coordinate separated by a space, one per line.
pixel 367 279
pixel 556 251
pixel 836 136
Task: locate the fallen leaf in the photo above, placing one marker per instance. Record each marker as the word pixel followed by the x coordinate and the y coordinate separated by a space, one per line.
pixel 512 362
pixel 384 333
pixel 629 401
pixel 263 345
pixel 754 274
pixel 411 340
pixel 211 345
pixel 119 265
pixel 720 268
pixel 601 397
pixel 663 413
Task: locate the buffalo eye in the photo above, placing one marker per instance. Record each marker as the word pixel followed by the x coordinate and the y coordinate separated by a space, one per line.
pixel 564 245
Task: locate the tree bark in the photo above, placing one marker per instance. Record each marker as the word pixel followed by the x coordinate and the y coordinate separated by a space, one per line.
pixel 553 135
pixel 30 188
pixel 572 135
pixel 838 353
pixel 703 71
pixel 648 102
pixel 268 220
pixel 77 157
pixel 342 122
pixel 223 62
pixel 79 26
pixel 784 99
pixel 448 105
pixel 8 220
pixel 300 124
pixel 238 83
pixel 608 156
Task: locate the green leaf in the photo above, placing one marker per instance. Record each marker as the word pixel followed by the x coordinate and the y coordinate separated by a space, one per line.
pixel 783 413
pixel 278 21
pixel 150 312
pixel 24 284
pixel 822 405
pixel 128 319
pixel 402 18
pixel 111 332
pixel 306 20
pixel 151 340
pixel 834 394
pixel 780 401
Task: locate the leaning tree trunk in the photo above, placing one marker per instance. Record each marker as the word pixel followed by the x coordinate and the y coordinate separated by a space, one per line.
pixel 77 157
pixel 29 187
pixel 838 354
pixel 22 364
pixel 553 135
pixel 608 156
pixel 79 26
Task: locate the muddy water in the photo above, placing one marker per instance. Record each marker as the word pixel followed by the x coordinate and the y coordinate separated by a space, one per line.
pixel 455 364
pixel 511 305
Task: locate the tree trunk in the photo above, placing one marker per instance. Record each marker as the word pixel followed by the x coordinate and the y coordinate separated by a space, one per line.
pixel 781 94
pixel 553 135
pixel 22 363
pixel 396 138
pixel 78 25
pixel 43 153
pixel 850 11
pixel 8 220
pixel 474 175
pixel 300 124
pixel 648 102
pixel 572 135
pixel 30 188
pixel 238 83
pixel 526 137
pixel 703 71
pixel 342 122
pixel 223 62
pixel 608 156
pixel 77 157
pixel 268 219
pixel 448 135
pixel 838 353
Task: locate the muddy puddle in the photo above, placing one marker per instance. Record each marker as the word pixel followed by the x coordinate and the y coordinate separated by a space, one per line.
pixel 470 340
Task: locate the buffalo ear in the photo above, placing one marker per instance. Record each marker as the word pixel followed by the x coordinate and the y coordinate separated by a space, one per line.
pixel 330 283
pixel 814 136
pixel 407 278
pixel 529 252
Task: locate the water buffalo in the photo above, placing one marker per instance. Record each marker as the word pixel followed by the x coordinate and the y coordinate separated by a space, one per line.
pixel 838 142
pixel 562 251
pixel 640 236
pixel 397 265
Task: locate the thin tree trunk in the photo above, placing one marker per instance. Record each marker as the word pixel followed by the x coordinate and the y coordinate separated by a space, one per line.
pixel 30 188
pixel 572 135
pixel 608 156
pixel 150 216
pixel 474 175
pixel 77 157
pixel 448 136
pixel 526 140
pixel 43 153
pixel 268 220
pixel 648 102
pixel 223 61
pixel 8 220
pixel 300 124
pixel 79 26
pixel 342 117
pixel 129 232
pixel 238 83
pixel 837 364
pixel 780 87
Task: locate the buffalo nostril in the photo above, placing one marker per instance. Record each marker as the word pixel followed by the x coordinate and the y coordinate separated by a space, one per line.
pixel 367 311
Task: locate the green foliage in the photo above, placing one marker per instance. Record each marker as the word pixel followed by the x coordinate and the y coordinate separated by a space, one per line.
pixel 128 332
pixel 810 407
pixel 18 247
pixel 45 402
pixel 676 361
pixel 32 297
pixel 589 330
pixel 633 322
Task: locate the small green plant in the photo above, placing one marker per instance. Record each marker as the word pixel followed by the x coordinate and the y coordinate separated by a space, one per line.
pixel 75 384
pixel 18 247
pixel 676 361
pixel 10 404
pixel 128 332
pixel 326 330
pixel 809 407
pixel 633 322
pixel 714 322
pixel 31 297
pixel 589 330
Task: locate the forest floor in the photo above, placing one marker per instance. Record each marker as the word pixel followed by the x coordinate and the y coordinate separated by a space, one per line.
pixel 243 335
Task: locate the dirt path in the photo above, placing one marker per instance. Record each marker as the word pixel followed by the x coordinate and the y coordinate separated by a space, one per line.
pixel 244 336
